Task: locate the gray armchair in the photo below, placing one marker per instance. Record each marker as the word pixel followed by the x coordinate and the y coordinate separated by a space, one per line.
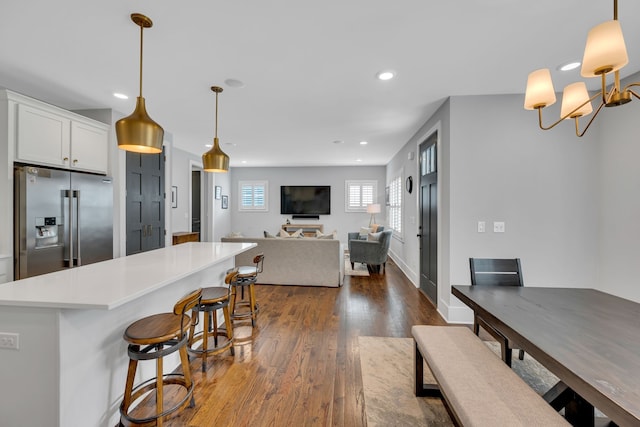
pixel 372 253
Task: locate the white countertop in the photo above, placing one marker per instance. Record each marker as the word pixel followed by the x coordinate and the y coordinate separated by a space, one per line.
pixel 110 284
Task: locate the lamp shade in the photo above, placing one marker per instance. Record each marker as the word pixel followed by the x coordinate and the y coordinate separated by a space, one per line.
pixel 373 208
pixel 540 92
pixel 138 132
pixel 573 96
pixel 215 160
pixel 605 50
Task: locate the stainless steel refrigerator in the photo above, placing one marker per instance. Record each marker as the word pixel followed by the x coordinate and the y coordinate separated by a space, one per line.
pixel 62 219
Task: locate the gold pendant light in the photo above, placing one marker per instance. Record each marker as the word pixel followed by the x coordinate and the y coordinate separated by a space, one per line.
pixel 215 160
pixel 138 132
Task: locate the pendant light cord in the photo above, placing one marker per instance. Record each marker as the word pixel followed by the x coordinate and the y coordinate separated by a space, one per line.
pixel 141 30
pixel 216 115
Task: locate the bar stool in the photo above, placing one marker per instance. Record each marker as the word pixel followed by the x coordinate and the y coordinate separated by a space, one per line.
pixel 246 277
pixel 152 338
pixel 213 299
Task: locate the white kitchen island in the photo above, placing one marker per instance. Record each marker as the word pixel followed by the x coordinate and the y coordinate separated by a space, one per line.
pixel 71 364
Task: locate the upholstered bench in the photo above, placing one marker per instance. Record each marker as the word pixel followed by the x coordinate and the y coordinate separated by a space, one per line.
pixel 479 389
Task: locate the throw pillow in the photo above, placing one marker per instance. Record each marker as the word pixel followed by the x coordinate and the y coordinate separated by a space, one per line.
pixel 283 233
pixel 374 228
pixel 234 234
pixel 268 235
pixel 364 231
pixel 373 237
pixel 297 233
pixel 329 236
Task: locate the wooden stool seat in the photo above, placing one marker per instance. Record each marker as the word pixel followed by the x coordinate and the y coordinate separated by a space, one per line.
pixel 214 294
pixel 214 298
pixel 155 329
pixel 153 338
pixel 247 271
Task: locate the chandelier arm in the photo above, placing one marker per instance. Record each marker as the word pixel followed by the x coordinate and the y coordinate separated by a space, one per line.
pixel 632 92
pixel 581 134
pixel 631 85
pixel 566 116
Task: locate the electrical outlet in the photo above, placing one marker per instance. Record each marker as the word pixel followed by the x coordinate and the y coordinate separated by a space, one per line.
pixel 9 340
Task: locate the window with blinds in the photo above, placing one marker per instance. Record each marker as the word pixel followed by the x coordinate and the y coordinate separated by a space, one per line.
pixel 360 194
pixel 253 195
pixel 395 204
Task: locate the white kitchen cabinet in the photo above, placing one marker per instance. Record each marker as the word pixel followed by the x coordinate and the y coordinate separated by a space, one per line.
pixel 89 146
pixel 50 136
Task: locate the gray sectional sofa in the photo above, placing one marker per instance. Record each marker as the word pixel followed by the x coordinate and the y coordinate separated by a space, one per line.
pixel 296 261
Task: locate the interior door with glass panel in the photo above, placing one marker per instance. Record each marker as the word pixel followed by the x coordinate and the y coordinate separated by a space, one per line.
pixel 428 227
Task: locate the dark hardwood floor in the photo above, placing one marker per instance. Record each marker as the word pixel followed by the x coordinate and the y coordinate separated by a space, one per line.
pixel 301 366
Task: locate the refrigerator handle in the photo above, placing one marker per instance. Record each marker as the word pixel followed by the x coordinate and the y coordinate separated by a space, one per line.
pixel 69 237
pixel 78 260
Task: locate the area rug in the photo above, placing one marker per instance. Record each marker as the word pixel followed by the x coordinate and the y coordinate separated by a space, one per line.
pixel 358 269
pixel 387 378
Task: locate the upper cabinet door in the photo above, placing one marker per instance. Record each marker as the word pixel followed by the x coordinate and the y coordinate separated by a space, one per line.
pixel 89 146
pixel 42 137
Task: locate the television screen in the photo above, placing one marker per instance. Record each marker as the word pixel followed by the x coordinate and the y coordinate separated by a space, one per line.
pixel 305 199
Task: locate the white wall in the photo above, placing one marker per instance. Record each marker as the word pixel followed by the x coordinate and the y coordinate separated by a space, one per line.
pixel 253 224
pixel 496 165
pixel 619 225
pixel 215 220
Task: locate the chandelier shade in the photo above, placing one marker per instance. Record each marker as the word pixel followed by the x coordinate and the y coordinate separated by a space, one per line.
pixel 138 132
pixel 575 101
pixel 215 160
pixel 540 91
pixel 605 51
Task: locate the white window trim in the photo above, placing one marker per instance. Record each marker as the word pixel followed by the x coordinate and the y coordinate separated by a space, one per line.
pixel 253 208
pixel 396 185
pixel 362 182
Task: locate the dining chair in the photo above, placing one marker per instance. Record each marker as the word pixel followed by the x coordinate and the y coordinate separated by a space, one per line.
pixel 496 272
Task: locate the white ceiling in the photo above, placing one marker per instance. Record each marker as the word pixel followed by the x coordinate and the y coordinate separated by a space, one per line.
pixel 308 67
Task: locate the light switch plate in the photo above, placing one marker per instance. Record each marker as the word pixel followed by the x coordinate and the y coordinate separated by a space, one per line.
pixel 481 226
pixel 498 226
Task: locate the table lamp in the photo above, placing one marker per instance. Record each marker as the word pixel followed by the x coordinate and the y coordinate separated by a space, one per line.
pixel 373 209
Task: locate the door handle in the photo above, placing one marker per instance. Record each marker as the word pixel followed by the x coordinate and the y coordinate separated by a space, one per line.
pixel 418 235
pixel 76 194
pixel 144 231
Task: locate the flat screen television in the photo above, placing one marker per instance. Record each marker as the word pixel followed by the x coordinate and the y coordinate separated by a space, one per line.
pixel 305 199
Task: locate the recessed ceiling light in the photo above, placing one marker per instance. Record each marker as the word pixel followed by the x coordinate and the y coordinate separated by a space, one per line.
pixel 363 142
pixel 570 66
pixel 358 160
pixel 244 162
pixel 385 75
pixel 234 83
pixel 120 95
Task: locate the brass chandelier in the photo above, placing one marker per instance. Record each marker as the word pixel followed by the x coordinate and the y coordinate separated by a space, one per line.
pixel 605 53
pixel 215 160
pixel 138 132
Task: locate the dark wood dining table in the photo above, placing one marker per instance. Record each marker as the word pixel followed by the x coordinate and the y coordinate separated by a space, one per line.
pixel 589 339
